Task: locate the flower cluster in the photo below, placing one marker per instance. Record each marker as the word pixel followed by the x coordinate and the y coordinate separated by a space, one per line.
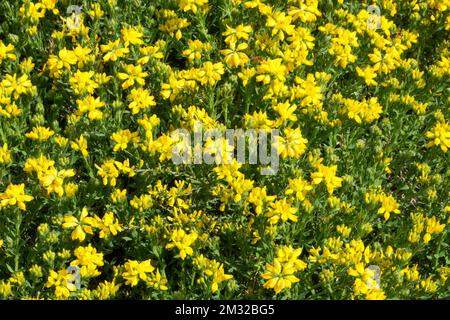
pixel 89 103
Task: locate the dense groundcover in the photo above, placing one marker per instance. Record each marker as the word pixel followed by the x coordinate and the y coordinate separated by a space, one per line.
pixel 91 92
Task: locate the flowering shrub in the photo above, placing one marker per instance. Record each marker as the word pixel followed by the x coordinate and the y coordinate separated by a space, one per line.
pixel 90 92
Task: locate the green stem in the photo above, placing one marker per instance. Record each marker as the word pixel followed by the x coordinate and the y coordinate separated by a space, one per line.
pixel 438 250
pixel 17 240
pixel 89 169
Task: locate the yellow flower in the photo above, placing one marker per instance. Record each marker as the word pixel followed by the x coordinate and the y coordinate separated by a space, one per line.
pixel 219 276
pixel 131 35
pixel 213 270
pixel 49 177
pixel 210 73
pixel 17 86
pixel 135 271
pixel 327 175
pixel 258 197
pixel 280 24
pixel 102 78
pixel 192 5
pixel 82 226
pixel 385 63
pixel 428 285
pixel 306 11
pixel 109 172
pixel 15 195
pixel 286 112
pixel 81 82
pixel 367 110
pixel 70 189
pixel 5 154
pixel 343 230
pixel 280 276
pixel 54 65
pixel 299 187
pixel 88 259
pixel 36 271
pixel 60 140
pixel 40 133
pixel 5 289
pixel 140 99
pixel 109 225
pixel 271 69
pixel 32 11
pixel 182 241
pixel 308 90
pixel 90 105
pixel 67 57
pixel 232 35
pixel 133 74
pixel 17 278
pixel 27 65
pixel 287 254
pixel 142 202
pixel 123 137
pixel 195 49
pixel 235 57
pixel 6 52
pixel 80 144
pixel 61 280
pixel 368 74
pixel 388 205
pixel 107 289
pixel 119 195
pixel 258 120
pixel 411 273
pixel 246 74
pixel 281 210
pixel 360 271
pixel 157 281
pixel 440 136
pixel 292 144
pixel 52 179
pixel 171 89
pixel 113 50
pixel 96 10
pixel 174 25
pixel 155 51
pixel 432 227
